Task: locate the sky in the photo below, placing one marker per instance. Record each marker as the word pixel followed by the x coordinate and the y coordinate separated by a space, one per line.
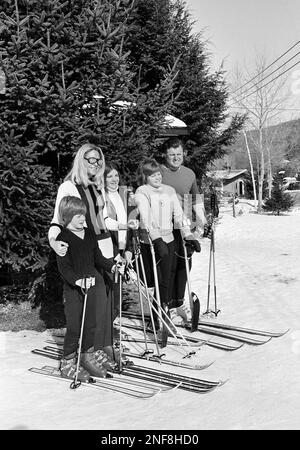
pixel 237 31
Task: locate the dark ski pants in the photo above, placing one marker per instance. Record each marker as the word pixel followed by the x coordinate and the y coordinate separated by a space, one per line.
pixel 164 268
pixel 97 331
pixel 73 303
pixel 178 273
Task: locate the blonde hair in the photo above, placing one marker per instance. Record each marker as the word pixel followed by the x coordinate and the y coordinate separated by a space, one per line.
pixel 79 173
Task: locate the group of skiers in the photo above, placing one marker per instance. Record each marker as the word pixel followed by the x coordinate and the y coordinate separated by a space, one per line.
pixel 93 233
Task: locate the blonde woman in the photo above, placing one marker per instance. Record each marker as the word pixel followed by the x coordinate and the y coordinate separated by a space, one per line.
pixel 85 181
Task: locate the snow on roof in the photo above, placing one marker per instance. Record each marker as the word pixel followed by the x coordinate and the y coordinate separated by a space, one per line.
pixel 170 121
pixel 227 174
pixel 174 122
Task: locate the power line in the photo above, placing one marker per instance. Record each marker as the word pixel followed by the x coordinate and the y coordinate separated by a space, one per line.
pixel 273 79
pixel 266 68
pixel 275 109
pixel 260 81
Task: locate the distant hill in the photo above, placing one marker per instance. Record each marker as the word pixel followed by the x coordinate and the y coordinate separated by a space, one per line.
pixel 283 141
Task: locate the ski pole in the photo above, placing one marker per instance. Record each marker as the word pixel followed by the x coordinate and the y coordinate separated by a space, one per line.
pixel 155 309
pixel 136 252
pixel 120 331
pixel 159 355
pixel 84 289
pixel 155 280
pixel 162 307
pixel 216 312
pixel 214 213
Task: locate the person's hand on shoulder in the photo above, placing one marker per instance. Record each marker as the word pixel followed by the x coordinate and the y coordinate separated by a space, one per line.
pixel 60 247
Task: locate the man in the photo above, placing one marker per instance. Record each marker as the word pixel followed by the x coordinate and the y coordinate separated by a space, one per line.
pixel 183 180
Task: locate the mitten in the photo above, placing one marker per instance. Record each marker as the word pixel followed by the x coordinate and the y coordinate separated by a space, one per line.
pixel 192 243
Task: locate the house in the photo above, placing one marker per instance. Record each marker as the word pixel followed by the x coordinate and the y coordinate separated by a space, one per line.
pixel 232 181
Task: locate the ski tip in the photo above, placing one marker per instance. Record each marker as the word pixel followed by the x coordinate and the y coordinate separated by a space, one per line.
pixel 264 342
pixel 238 346
pixel 276 335
pixel 222 382
pixel 209 364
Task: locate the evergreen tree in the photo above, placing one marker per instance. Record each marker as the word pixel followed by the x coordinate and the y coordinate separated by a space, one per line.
pixel 56 55
pixel 26 206
pixel 162 37
pixel 280 200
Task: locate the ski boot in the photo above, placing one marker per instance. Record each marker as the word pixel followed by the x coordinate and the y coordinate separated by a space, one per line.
pixel 114 355
pixel 103 359
pixel 68 369
pixel 90 363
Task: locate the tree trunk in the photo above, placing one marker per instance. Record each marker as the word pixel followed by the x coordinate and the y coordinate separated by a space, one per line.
pixel 269 172
pixel 251 168
pixel 261 172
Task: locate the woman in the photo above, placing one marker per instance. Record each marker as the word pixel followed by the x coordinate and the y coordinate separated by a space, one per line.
pixel 85 180
pixel 116 223
pixel 160 212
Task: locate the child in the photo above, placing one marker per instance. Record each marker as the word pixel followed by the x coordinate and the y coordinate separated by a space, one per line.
pixel 160 212
pixel 78 269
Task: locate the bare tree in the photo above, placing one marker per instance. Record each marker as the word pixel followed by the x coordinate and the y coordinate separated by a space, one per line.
pixel 261 98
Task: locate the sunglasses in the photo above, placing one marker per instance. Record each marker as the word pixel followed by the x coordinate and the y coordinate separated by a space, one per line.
pixel 94 161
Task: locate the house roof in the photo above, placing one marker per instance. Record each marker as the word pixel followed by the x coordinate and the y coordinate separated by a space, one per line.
pixel 228 174
pixel 172 126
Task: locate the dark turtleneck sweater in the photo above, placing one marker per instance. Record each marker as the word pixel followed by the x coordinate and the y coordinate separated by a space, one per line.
pixel 82 258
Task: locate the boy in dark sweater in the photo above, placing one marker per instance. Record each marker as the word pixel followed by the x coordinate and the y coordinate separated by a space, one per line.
pixel 78 269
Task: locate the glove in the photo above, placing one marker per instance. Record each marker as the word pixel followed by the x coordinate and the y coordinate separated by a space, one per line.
pixel 192 244
pixel 119 267
pixel 161 248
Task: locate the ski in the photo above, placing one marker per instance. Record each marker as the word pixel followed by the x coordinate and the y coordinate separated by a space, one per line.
pixel 154 358
pixel 153 375
pixel 242 329
pixel 118 378
pixel 173 375
pixel 169 382
pixel 220 333
pixel 47 354
pixel 196 341
pixel 232 336
pixel 103 384
pixel 168 361
pixel 225 327
pixel 162 376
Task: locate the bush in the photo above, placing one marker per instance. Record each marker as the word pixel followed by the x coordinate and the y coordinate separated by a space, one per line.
pixel 280 200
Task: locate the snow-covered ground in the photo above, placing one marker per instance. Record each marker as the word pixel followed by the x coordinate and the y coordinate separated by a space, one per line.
pixel 258 285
